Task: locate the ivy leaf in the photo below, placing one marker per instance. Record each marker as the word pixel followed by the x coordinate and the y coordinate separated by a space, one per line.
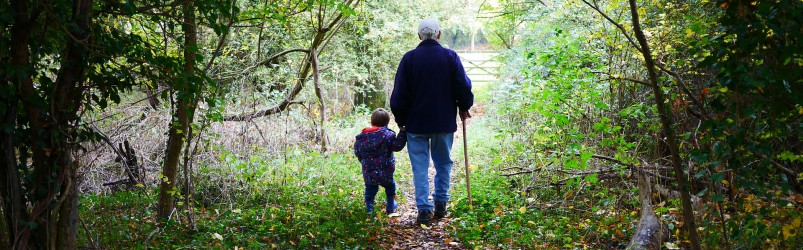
pixel 585 156
pixel 592 179
pixel 602 105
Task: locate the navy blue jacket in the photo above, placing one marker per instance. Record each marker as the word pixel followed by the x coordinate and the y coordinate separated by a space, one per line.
pixel 430 86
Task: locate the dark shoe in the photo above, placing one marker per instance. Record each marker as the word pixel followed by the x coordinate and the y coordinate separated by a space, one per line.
pixel 440 209
pixel 391 206
pixel 424 216
pixel 369 208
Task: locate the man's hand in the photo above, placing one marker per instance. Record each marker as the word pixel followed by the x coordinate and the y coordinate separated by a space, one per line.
pixel 464 115
pixel 401 128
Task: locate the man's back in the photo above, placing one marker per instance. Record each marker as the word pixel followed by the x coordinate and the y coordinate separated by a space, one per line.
pixel 430 86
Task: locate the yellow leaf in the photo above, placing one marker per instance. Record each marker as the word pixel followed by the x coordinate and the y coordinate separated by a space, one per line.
pixel 523 209
pixel 723 89
pixel 424 226
pixel 498 211
pixel 790 230
pixel 725 182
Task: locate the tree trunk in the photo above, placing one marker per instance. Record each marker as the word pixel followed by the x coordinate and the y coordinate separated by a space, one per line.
pixel 51 132
pixel 66 102
pixel 666 124
pixel 322 107
pixel 67 237
pixel 183 114
pixel 10 189
pixel 650 232
pixel 16 211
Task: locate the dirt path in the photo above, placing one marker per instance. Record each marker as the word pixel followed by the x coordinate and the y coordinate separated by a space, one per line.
pixel 402 232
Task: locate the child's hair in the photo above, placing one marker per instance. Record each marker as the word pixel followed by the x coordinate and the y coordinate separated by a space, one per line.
pixel 380 117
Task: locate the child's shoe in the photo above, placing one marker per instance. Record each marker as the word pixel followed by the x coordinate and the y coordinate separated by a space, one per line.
pixel 369 208
pixel 391 206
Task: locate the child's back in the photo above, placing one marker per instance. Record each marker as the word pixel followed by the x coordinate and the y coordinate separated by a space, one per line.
pixel 374 148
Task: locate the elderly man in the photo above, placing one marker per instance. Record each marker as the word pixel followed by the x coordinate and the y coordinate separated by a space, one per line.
pixel 431 85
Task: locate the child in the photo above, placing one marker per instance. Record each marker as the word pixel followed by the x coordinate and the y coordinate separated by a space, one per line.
pixel 374 148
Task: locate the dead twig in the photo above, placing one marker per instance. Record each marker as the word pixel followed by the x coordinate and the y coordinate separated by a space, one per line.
pixel 519 173
pixel 88 233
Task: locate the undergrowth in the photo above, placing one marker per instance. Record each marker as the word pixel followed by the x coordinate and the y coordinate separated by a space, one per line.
pixel 503 216
pixel 311 202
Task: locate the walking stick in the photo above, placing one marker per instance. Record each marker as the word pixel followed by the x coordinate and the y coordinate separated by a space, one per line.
pixel 465 156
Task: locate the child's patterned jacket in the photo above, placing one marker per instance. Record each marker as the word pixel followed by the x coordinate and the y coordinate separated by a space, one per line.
pixel 374 148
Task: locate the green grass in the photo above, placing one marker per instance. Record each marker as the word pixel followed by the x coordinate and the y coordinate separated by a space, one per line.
pixel 312 202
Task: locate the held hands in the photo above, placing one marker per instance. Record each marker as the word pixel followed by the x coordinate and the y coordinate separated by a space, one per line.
pixel 401 129
pixel 464 115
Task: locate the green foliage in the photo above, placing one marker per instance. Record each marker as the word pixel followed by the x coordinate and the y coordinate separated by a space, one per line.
pixel 310 202
pixel 756 95
pixel 503 216
pixel 576 87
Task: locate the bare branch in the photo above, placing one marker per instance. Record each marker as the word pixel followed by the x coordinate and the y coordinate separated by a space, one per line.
pixel 562 182
pixel 619 26
pixel 683 87
pixel 612 77
pixel 271 58
pixel 317 80
pixel 219 47
pixel 520 173
pixel 321 36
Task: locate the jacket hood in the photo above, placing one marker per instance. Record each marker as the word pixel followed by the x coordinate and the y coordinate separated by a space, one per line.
pixel 371 129
pixel 370 138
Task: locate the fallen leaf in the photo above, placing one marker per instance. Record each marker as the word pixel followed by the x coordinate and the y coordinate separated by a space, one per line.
pixel 498 211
